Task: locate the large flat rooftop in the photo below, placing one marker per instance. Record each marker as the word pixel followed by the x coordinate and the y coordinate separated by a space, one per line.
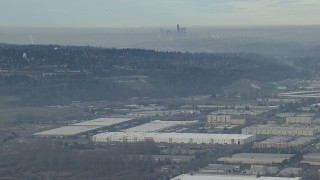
pixel 103 122
pixel 83 127
pixel 67 131
pixel 158 125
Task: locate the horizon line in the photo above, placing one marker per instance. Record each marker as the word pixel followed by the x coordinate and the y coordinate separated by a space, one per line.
pixel 162 26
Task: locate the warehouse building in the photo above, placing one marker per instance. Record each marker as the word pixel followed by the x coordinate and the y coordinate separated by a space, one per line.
pixel 279 142
pixel 229 177
pixel 156 126
pixel 284 115
pixel 222 128
pixel 298 119
pixel 312 159
pixel 218 119
pixel 66 131
pixel 161 113
pixel 256 158
pixel 103 122
pixel 280 130
pixel 184 138
pixel 262 170
pixel 283 142
pixel 291 172
pixel 81 128
pixel 302 141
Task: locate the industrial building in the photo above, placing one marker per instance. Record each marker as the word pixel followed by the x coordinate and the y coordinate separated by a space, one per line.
pixel 66 131
pixel 81 128
pixel 228 177
pixel 221 128
pixel 312 159
pixel 298 119
pixel 252 111
pixel 256 158
pixel 103 122
pixel 156 126
pixel 301 141
pixel 274 142
pixel 283 142
pixel 280 130
pixel 218 119
pixel 161 113
pixel 284 115
pixel 262 170
pixel 192 138
pixel 291 172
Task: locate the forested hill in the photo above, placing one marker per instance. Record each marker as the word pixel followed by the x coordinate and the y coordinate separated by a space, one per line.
pixel 56 75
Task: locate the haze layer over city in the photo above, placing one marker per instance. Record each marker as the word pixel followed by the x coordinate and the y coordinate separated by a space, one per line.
pixel 160 89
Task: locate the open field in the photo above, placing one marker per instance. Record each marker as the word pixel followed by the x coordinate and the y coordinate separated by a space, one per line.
pixel 247 88
pixel 17 114
pixel 5 101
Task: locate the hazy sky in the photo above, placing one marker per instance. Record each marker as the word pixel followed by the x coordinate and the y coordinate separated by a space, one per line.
pixel 136 13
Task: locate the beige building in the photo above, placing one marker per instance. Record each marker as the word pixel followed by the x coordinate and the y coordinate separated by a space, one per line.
pixel 217 120
pixel 279 142
pixel 180 138
pixel 298 120
pixel 280 130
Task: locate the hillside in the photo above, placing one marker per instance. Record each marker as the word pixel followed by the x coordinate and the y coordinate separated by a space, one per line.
pixel 44 75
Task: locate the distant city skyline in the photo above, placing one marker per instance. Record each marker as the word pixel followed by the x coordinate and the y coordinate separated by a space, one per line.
pixel 156 13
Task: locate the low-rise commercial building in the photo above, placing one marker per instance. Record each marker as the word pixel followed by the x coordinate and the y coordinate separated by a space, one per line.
pixel 191 138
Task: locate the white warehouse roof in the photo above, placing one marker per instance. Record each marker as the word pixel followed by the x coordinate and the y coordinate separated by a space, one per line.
pixel 226 177
pixel 103 122
pixel 83 127
pixel 158 125
pixel 67 131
